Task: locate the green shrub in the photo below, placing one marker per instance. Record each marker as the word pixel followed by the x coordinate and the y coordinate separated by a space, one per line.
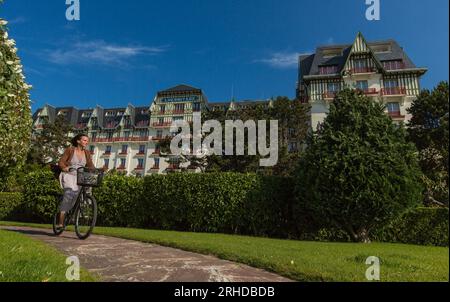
pixel 40 196
pixel 117 199
pixel 9 205
pixel 358 172
pixel 424 226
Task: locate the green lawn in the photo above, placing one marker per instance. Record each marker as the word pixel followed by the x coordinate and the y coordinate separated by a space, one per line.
pixel 300 260
pixel 23 259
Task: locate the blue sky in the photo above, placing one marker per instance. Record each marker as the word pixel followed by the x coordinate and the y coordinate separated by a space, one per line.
pixel 123 52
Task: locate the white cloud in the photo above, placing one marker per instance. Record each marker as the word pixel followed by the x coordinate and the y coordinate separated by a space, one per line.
pixel 18 20
pixel 100 52
pixel 282 60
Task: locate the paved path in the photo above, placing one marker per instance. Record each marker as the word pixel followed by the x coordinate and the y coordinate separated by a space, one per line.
pixel 119 260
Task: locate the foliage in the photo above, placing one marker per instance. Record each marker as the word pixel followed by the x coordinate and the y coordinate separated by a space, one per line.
pixel 40 196
pixel 428 129
pixel 46 145
pixel 15 108
pixel 9 204
pixel 358 172
pixel 424 226
pixel 292 117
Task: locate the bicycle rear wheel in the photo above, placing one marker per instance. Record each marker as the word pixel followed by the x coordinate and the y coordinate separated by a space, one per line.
pixel 86 217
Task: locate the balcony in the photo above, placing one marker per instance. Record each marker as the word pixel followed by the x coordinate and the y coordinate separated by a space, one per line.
pixel 128 126
pixel 155 168
pixel 362 70
pixel 111 126
pixel 396 115
pixel 123 153
pixel 121 139
pixel 140 154
pixel 80 126
pixel 107 153
pixel 142 124
pixel 393 91
pixel 329 95
pixel 178 112
pixel 369 91
pixel 157 152
pixel 121 168
pixel 162 125
pixel 173 167
pixel 160 138
pixel 139 168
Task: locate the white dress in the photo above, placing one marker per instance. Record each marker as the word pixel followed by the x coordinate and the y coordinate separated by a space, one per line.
pixel 68 181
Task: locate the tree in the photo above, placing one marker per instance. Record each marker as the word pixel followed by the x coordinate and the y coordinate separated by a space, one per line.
pixel 15 109
pixel 358 172
pixel 47 145
pixel 428 129
pixel 292 117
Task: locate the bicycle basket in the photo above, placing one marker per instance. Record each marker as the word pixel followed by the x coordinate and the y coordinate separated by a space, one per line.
pixel 89 177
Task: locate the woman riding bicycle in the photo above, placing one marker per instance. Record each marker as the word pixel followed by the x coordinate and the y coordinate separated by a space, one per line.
pixel 73 158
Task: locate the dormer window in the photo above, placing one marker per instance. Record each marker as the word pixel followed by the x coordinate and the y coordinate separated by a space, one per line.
pixel 120 113
pixel 62 112
pixel 86 114
pixel 109 113
pixel 383 48
pixel 328 69
pixel 332 52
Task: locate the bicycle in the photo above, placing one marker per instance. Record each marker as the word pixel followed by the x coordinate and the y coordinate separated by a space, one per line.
pixel 84 212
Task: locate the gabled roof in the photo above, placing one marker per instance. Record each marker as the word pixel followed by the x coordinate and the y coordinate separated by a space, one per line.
pixel 181 88
pixel 309 64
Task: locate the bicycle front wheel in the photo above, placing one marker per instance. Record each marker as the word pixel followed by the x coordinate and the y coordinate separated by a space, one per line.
pixel 86 217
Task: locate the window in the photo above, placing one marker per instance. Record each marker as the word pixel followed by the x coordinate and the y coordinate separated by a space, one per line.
pixel 292 147
pixel 86 114
pixel 94 136
pixel 178 118
pixel 109 113
pixel 62 112
pixel 123 162
pixel 162 108
pixel 109 135
pixel 159 133
pixel 393 108
pixel 140 162
pixel 196 107
pixel 393 65
pixel 179 107
pixel 161 121
pixel 330 69
pixel 156 162
pixel 108 149
pixel 391 83
pixel 120 113
pixel 124 149
pixel 141 149
pixel 333 87
pixel 106 163
pixel 362 85
pixel 381 48
pixel 360 63
pixel 91 149
pixel 127 134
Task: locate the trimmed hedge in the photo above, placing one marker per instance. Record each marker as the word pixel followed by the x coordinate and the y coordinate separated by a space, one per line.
pixel 423 226
pixel 40 196
pixel 9 205
pixel 246 204
pixel 216 202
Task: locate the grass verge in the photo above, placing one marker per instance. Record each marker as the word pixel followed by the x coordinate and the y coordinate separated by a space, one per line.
pixel 23 259
pixel 301 260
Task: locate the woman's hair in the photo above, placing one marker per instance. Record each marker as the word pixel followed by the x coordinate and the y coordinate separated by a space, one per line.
pixel 75 140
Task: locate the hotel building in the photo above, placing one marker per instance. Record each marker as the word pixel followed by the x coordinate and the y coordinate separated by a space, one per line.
pixel 127 139
pixel 381 70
